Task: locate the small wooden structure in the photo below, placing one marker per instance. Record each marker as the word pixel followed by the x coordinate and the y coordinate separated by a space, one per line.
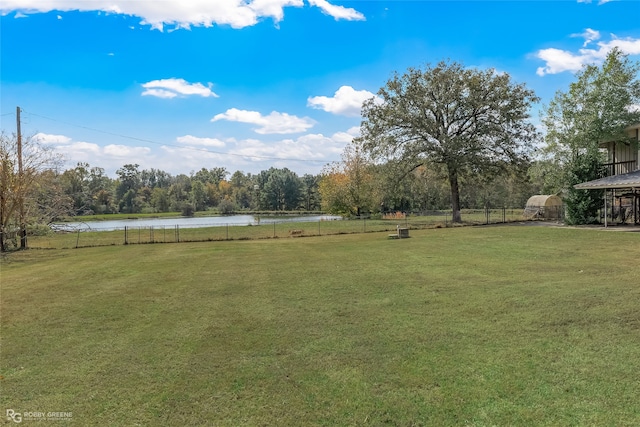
pixel 401 233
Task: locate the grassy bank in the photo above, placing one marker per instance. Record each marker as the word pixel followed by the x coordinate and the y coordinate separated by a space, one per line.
pixel 278 227
pixel 465 326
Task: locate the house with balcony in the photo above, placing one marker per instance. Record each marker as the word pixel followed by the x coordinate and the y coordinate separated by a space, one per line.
pixel 622 180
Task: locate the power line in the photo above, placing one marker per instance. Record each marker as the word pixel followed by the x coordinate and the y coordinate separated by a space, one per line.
pixel 148 141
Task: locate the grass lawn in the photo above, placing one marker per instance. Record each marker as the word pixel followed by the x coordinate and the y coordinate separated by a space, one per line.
pixel 477 326
pixel 264 230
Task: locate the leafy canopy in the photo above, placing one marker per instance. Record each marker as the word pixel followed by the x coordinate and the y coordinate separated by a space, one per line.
pixel 466 119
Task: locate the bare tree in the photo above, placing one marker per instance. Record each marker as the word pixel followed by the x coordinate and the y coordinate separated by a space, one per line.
pixel 22 190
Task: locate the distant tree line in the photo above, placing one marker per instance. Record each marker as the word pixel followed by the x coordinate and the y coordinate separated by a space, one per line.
pixel 136 190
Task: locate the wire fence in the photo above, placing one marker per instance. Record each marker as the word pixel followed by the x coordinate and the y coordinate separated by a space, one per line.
pixel 132 235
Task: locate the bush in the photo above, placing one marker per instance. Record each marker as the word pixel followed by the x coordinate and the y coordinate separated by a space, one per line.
pixel 583 205
pixel 226 207
pixel 39 230
pixel 188 209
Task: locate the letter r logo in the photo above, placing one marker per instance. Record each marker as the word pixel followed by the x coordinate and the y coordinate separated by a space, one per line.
pixel 14 416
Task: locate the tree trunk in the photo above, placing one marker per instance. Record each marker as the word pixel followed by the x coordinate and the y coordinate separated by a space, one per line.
pixel 455 194
pixel 2 248
pixel 23 236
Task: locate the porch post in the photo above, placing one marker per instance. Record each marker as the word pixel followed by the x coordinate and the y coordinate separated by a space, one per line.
pixel 605 208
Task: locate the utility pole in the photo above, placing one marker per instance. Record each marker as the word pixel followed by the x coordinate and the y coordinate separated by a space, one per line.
pixel 23 226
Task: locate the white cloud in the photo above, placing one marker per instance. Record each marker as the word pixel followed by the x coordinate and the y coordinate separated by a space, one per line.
pixel 82 152
pixel 159 93
pixel 306 153
pixel 125 151
pixel 275 122
pixel 588 35
pixel 202 142
pixel 558 60
pixel 46 138
pixel 180 160
pixel 346 101
pixel 109 157
pixel 338 12
pixel 599 3
pixel 346 137
pixel 170 88
pixel 183 14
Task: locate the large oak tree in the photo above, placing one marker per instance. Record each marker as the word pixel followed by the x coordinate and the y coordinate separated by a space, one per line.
pixel 465 119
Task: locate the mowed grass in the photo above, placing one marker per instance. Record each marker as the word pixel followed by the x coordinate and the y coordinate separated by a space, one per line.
pixel 474 326
pixel 281 228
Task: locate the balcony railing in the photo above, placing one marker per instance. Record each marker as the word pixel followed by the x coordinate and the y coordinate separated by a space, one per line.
pixel 619 168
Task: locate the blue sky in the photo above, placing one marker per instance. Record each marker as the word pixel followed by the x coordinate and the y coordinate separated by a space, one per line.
pixel 180 85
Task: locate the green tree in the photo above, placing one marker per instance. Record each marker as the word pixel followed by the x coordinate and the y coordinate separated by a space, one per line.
pixel 51 203
pixel 347 187
pixel 160 199
pixel 101 188
pixel 211 176
pixel 598 107
pixel 153 178
pixel 465 119
pixel 242 189
pixel 198 196
pixel 129 176
pixel 429 188
pixel 179 192
pixel 75 183
pixel 583 205
pixel 281 191
pixel 310 192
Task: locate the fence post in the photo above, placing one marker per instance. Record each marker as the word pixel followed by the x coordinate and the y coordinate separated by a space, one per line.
pixel 78 238
pixel 126 241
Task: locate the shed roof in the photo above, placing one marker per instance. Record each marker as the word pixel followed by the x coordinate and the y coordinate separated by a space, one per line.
pixel 627 180
pixel 544 200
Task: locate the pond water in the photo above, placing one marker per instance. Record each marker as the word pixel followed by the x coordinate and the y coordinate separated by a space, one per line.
pixel 184 222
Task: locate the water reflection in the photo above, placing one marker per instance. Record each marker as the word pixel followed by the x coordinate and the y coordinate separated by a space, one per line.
pixel 182 222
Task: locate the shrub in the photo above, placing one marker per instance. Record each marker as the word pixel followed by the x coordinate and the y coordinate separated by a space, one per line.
pixel 188 209
pixel 226 207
